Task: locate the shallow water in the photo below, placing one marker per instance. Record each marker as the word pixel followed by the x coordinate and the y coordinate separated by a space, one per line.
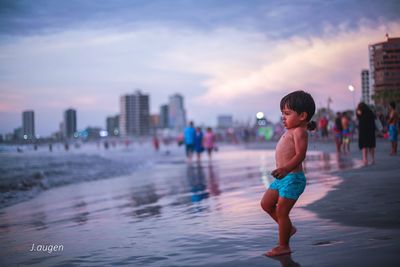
pixel 24 175
pixel 173 214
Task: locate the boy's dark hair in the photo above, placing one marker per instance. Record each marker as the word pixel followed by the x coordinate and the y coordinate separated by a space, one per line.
pixel 393 104
pixel 300 102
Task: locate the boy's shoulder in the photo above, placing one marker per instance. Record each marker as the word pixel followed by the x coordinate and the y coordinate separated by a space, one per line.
pixel 300 132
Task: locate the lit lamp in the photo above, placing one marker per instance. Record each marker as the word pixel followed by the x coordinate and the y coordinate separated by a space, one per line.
pixel 353 90
pixel 260 115
pixel 261 121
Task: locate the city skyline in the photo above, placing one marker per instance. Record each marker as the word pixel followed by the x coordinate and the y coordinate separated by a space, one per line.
pixel 227 57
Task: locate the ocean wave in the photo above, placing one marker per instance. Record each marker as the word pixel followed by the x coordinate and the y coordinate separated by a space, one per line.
pixel 23 176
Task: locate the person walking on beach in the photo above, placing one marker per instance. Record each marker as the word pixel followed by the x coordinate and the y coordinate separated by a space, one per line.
pixel 337 129
pixel 198 143
pixel 345 133
pixel 366 132
pixel 156 143
pixel 188 137
pixel 209 142
pixel 323 127
pixel 393 127
pixel 297 110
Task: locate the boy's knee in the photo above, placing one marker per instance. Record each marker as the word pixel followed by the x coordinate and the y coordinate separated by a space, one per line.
pixel 267 208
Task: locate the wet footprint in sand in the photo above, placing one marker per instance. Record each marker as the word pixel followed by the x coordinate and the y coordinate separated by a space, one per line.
pixel 327 243
pixel 381 238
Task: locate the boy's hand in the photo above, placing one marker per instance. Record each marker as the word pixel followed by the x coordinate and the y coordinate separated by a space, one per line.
pixel 279 173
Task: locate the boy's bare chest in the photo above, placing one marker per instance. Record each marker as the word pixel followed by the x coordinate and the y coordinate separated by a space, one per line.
pixel 285 144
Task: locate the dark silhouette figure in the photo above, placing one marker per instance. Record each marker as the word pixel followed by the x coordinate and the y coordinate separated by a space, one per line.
pixel 366 132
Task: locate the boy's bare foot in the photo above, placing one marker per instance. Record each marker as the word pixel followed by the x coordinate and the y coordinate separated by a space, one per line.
pixel 279 250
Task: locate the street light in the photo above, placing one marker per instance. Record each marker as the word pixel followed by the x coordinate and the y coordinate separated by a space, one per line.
pixel 260 115
pixel 353 90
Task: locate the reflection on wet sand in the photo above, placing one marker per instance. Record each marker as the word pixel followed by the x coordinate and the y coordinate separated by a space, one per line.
pixel 197 182
pixel 142 202
pixel 148 218
pixel 286 261
pixel 81 213
pixel 213 186
pixel 39 220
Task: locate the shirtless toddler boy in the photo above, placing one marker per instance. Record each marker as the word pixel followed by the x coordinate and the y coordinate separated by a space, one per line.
pixel 297 110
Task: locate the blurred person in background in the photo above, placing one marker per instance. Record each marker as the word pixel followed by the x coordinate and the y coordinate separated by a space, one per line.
pixel 393 122
pixel 209 142
pixel 345 133
pixel 337 130
pixel 188 138
pixel 198 143
pixel 366 132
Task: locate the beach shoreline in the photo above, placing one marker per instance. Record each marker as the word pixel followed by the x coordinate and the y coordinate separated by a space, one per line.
pixel 367 196
pixel 147 218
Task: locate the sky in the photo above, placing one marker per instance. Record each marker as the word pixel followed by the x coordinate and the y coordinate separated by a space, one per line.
pixel 225 57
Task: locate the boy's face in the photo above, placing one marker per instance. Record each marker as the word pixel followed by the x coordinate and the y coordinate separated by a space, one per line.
pixel 291 118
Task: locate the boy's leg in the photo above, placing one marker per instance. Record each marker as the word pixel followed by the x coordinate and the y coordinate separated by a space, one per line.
pixel 269 204
pixel 285 226
pixel 269 201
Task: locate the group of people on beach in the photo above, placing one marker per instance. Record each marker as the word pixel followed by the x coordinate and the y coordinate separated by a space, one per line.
pixel 197 142
pixel 343 130
pixel 369 125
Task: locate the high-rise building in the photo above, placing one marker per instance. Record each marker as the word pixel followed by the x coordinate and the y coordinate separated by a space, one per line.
pixel 164 117
pixel 112 124
pixel 154 121
pixel 176 113
pixel 17 134
pixel 135 114
pixel 224 121
pixel 365 94
pixel 385 70
pixel 28 124
pixel 69 125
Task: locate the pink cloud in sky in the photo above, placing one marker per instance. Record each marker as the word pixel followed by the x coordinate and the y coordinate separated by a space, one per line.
pixel 222 71
pixel 323 65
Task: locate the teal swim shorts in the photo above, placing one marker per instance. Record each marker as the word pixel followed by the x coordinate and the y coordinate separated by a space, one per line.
pixel 291 186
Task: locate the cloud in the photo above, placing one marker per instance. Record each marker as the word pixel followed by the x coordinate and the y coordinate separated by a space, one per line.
pixel 323 65
pixel 224 70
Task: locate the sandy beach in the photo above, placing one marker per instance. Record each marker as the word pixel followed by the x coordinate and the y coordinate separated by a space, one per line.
pixel 368 196
pixel 207 214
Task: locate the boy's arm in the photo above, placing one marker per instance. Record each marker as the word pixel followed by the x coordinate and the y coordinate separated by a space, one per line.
pixel 300 137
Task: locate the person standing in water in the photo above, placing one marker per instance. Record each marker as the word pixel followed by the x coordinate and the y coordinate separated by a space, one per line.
pixel 209 142
pixel 393 127
pixel 366 132
pixel 345 133
pixel 297 110
pixel 188 138
pixel 198 143
pixel 337 129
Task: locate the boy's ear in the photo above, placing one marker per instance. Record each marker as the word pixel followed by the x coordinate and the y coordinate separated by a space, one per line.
pixel 303 115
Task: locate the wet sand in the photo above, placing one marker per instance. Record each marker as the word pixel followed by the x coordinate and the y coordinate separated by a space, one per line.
pixel 208 214
pixel 368 196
